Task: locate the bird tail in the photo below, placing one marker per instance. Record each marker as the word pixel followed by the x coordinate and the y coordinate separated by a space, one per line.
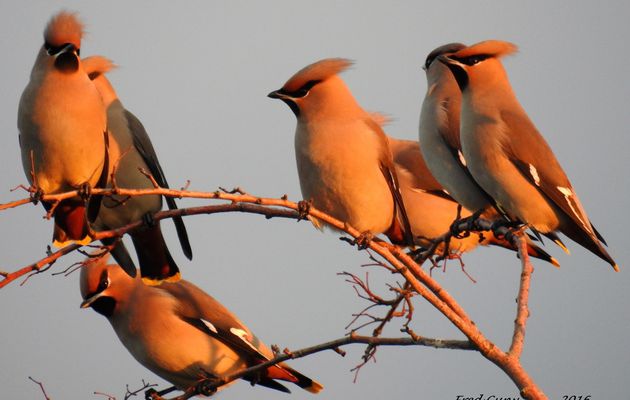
pixel 156 263
pixel 305 382
pixel 284 372
pixel 590 241
pixel 532 249
pixel 70 225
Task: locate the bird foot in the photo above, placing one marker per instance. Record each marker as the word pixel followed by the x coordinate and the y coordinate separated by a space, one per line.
pixel 148 220
pixel 36 194
pixel 363 240
pixel 85 191
pixel 208 386
pixel 505 229
pixel 461 228
pixel 304 207
pixel 152 394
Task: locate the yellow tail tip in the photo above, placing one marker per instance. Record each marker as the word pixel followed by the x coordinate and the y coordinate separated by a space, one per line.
pixel 63 243
pixel 315 387
pixel 554 262
pixel 562 246
pixel 156 281
pixel 616 267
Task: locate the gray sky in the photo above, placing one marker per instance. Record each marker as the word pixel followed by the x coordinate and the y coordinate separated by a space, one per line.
pixel 197 75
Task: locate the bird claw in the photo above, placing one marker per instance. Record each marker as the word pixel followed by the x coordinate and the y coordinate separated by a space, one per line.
pixel 148 220
pixel 304 207
pixel 505 229
pixel 36 195
pixel 151 394
pixel 84 191
pixel 207 386
pixel 363 240
pixel 457 232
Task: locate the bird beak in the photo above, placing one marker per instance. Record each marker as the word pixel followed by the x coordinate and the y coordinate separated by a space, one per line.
pixel 277 94
pixel 69 48
pixel 88 302
pixel 446 60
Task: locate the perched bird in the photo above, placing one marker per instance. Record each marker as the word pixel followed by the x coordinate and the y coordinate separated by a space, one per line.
pixel 63 130
pixel 130 150
pixel 439 134
pixel 507 156
pixel 431 211
pixel 343 158
pixel 178 331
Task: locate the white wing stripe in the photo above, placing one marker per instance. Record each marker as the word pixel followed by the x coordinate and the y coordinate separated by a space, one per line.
pixel 209 326
pixel 243 336
pixel 568 195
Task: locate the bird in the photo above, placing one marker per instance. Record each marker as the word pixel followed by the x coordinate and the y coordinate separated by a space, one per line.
pixel 507 156
pixel 178 331
pixel 439 134
pixel 431 210
pixel 344 163
pixel 131 151
pixel 63 131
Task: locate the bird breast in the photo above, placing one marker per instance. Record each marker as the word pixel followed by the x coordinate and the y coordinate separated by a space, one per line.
pixel 339 169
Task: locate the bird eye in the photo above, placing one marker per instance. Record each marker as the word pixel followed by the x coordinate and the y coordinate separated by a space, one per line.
pixel 103 284
pixel 473 60
pixel 300 93
pixel 428 63
pixel 50 49
pixel 303 91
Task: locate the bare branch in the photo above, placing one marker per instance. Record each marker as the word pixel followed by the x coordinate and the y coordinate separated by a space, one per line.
pixel 37 266
pixel 522 313
pixel 215 383
pixel 41 386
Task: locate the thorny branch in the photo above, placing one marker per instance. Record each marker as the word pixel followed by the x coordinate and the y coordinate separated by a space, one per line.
pixel 417 279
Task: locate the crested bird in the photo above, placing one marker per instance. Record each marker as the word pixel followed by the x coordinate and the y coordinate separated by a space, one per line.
pixel 507 156
pixel 178 331
pixel 131 152
pixel 63 130
pixel 343 158
pixel 439 134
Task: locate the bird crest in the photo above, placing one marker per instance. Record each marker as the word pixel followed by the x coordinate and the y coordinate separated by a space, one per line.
pixel 491 48
pixel 95 66
pixel 316 72
pixel 63 28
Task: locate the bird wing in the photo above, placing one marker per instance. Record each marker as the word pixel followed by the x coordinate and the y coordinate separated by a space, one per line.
pixel 407 155
pixel 389 172
pixel 449 132
pixel 144 146
pixel 205 313
pixel 94 203
pixel 532 156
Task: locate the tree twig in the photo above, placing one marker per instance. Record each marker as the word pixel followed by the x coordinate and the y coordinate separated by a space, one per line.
pixel 41 386
pixel 215 383
pixel 522 310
